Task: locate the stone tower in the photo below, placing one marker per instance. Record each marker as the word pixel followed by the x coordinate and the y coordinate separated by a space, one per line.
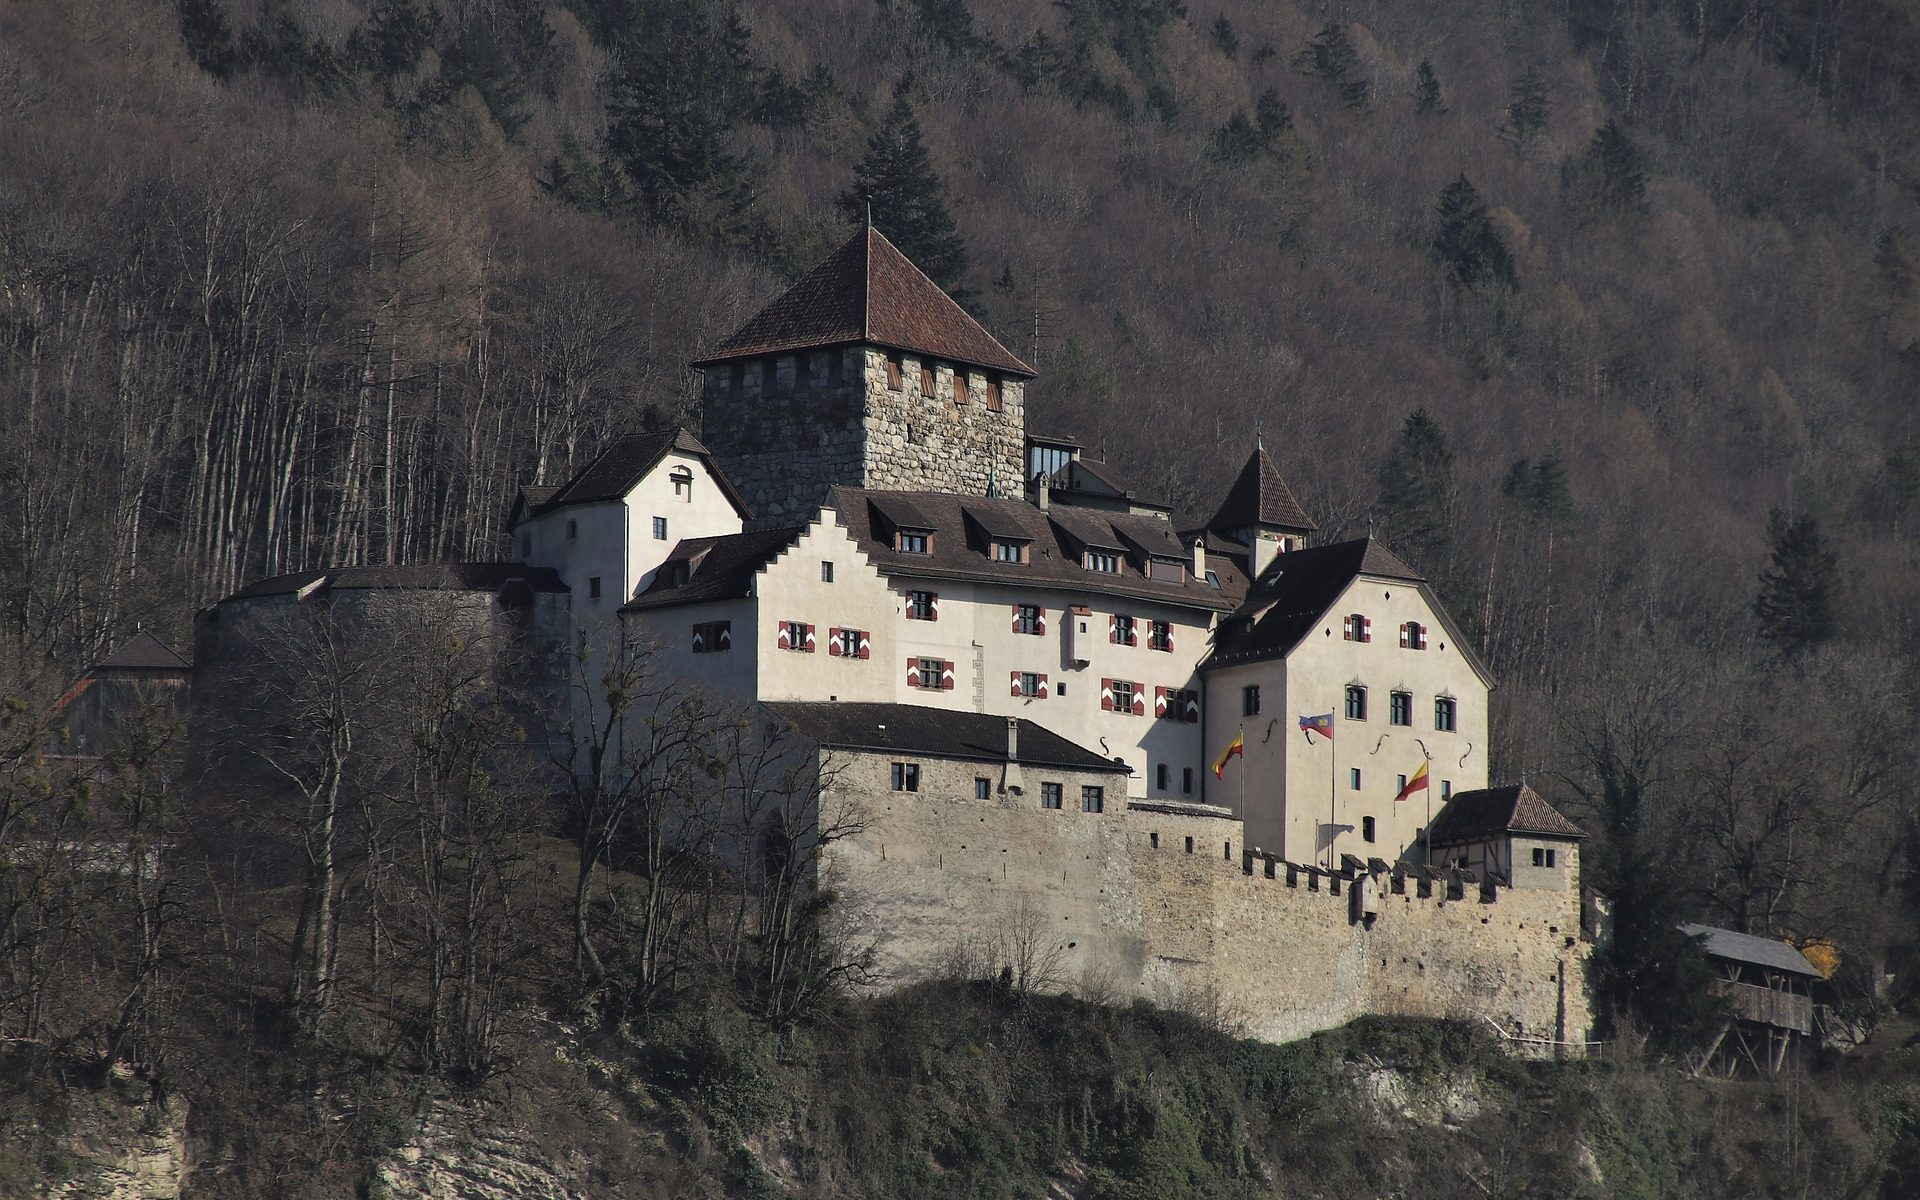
pixel 863 373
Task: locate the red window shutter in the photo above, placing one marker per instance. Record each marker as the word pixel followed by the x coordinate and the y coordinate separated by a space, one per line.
pixel 833 643
pixel 1042 626
pixel 1043 687
pixel 866 645
pixel 1169 635
pixel 1133 634
pixel 933 606
pixel 1406 635
pixel 1106 695
pixel 1016 618
pixel 1366 629
pixel 1346 629
pixel 810 644
pixel 1016 683
pixel 1113 629
pixel 1139 699
pixel 946 677
pixel 1422 638
pixel 699 641
pixel 1159 702
pixel 726 635
pixel 913 672
pixel 1193 708
pixel 784 641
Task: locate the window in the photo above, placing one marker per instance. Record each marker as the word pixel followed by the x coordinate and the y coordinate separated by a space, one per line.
pixel 1160 775
pixel 1051 796
pixel 1029 618
pixel 1123 695
pixel 1186 781
pixel 906 777
pixel 1357 628
pixel 1176 704
pixel 923 606
pixel 1353 779
pixel 1446 789
pixel 1446 713
pixel 926 379
pixel 1366 828
pixel 682 483
pixel 982 788
pixel 1542 857
pixel 1250 700
pixel 1400 784
pixel 1189 845
pixel 1356 702
pixel 1104 561
pixel 573 530
pixel 961 392
pixel 893 372
pixel 1413 636
pixel 1153 839
pixel 993 394
pixel 826 572
pixel 1010 552
pixel 849 643
pixel 1160 635
pixel 1093 799
pixel 911 541
pixel 1121 631
pixel 712 637
pixel 933 673
pixel 659 529
pixel 1400 708
pixel 593 587
pixel 796 635
pixel 1031 684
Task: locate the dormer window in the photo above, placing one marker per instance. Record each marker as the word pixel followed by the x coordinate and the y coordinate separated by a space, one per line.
pixel 682 478
pixel 1107 562
pixel 913 541
pixel 1008 551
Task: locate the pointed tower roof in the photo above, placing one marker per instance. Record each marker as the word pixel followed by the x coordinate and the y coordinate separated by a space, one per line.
pixel 1260 497
pixel 143 652
pixel 867 292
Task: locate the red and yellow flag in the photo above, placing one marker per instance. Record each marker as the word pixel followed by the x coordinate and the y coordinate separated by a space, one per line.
pixel 1416 784
pixel 1234 749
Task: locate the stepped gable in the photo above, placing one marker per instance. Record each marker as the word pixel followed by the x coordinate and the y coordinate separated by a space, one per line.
pixel 716 568
pixel 867 292
pixel 936 733
pixel 962 526
pixel 143 652
pixel 1260 497
pixel 1495 812
pixel 611 474
pixel 428 577
pixel 1289 599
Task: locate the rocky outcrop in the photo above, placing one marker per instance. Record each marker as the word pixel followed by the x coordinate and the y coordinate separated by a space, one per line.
pixel 454 1158
pixel 126 1153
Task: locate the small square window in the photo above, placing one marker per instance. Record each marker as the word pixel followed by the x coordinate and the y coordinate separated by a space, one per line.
pixel 1189 845
pixel 922 606
pixel 1399 784
pixel 1051 795
pixel 911 541
pixel 1010 552
pixel 1366 828
pixel 1160 635
pixel 682 484
pixel 1153 839
pixel 1123 695
pixel 1446 789
pixel 1093 799
pixel 1030 683
pixel 982 788
pixel 1550 858
pixel 1250 700
pixel 931 672
pixel 1353 778
pixel 593 587
pixel 906 777
pixel 1026 619
pixel 659 529
pixel 1539 857
pixel 826 572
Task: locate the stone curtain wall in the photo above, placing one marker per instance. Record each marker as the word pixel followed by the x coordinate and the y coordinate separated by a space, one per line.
pixel 784 437
pixel 942 873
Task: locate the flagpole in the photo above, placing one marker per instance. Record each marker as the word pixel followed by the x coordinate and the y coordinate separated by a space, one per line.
pixel 1333 796
pixel 1240 810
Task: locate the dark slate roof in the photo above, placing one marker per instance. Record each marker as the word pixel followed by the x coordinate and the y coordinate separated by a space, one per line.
pixel 1056 539
pixel 867 292
pixel 611 474
pixel 143 652
pixel 936 733
pixel 720 568
pixel 434 577
pixel 1294 593
pixel 1260 497
pixel 1746 948
pixel 1492 812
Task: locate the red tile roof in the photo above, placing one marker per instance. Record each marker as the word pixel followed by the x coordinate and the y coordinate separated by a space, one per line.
pixel 867 292
pixel 1260 497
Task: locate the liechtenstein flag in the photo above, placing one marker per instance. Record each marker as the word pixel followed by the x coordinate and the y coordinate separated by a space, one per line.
pixel 1322 725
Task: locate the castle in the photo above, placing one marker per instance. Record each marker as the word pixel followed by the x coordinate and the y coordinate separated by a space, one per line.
pixel 1202 762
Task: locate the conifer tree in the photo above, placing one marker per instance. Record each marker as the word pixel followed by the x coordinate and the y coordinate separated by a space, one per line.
pixel 1427 101
pixel 1799 590
pixel 1526 112
pixel 1609 177
pixel 1416 493
pixel 909 203
pixel 1331 57
pixel 1225 38
pixel 1465 241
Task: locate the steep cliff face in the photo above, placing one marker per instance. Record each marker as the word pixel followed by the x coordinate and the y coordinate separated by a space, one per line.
pixel 458 1155
pixel 117 1149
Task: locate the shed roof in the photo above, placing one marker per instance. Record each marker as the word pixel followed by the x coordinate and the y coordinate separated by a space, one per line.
pixel 1745 947
pixel 867 293
pixel 937 733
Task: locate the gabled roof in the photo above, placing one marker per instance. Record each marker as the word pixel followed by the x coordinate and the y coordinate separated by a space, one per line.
pixel 611 474
pixel 1493 812
pixel 432 577
pixel 1260 497
pixel 910 729
pixel 1293 594
pixel 143 652
pixel 719 568
pixel 1746 948
pixel 867 292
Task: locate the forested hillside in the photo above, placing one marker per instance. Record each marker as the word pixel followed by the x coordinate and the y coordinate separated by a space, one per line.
pixel 1604 315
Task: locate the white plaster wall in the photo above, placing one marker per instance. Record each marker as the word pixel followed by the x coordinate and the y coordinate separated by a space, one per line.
pixel 706 513
pixel 791 589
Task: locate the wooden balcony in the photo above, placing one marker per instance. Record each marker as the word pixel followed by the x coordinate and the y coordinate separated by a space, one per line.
pixel 1768 1006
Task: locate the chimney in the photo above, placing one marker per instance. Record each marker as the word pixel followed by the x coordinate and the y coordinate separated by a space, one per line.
pixel 1262 550
pixel 1040 488
pixel 1013 739
pixel 1200 558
